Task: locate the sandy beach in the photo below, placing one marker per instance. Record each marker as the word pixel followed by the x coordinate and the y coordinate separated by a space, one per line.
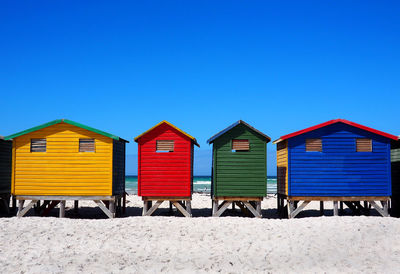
pixel 90 243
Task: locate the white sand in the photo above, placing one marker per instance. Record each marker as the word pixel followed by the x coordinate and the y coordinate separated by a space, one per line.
pixel 176 244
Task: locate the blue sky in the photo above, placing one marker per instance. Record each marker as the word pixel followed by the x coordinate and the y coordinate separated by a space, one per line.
pixel 123 66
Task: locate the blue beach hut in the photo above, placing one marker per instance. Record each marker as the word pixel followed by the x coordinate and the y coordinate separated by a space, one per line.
pixel 338 161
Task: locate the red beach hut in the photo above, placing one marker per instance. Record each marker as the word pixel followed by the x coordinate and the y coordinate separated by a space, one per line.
pixel 165 167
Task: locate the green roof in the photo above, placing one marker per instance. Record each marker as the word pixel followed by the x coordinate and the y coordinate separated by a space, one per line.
pixel 58 121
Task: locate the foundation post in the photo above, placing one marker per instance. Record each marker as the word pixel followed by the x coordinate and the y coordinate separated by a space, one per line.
pixel 321 208
pixel 62 209
pixel 214 207
pixel 76 205
pixel 145 204
pixel 335 208
pixel 20 206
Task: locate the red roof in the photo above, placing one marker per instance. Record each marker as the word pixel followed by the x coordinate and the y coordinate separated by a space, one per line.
pixel 387 135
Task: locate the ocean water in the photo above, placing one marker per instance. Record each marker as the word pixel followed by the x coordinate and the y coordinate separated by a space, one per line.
pixel 201 184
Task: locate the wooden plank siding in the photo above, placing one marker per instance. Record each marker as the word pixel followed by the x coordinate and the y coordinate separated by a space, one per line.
pixel 165 174
pixel 239 173
pixel 339 170
pixel 5 166
pixel 282 167
pixel 62 169
pixel 118 167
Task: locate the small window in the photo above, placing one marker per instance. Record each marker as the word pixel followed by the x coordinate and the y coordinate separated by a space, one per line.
pixel 86 145
pixel 363 145
pixel 240 145
pixel 38 145
pixel 165 146
pixel 314 145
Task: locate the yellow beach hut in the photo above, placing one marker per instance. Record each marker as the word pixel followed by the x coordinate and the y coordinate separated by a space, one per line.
pixel 65 160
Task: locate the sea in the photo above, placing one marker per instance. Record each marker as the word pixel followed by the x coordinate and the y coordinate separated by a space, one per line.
pixel 201 184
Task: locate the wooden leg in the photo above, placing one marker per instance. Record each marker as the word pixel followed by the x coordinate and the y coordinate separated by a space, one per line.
pixel 14 204
pixel 221 210
pixel 76 206
pixel 182 209
pixel 298 209
pixel 341 207
pixel 23 211
pixel 154 207
pixel 335 208
pixel 145 208
pixel 189 207
pixel 214 207
pixel 124 203
pixel 321 208
pixel 385 208
pixel 170 208
pixel 62 209
pixel 258 209
pixel 104 208
pixel 20 207
pixel 252 210
pixel 112 208
pixel 233 206
pixel 290 209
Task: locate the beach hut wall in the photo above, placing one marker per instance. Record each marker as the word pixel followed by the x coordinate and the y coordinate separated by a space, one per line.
pixel 165 164
pixel 63 160
pixel 334 160
pixel 239 165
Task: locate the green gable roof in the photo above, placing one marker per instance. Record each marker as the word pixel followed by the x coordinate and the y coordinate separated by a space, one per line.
pixel 58 121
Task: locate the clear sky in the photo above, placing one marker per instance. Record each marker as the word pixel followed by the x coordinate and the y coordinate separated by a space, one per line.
pixel 123 66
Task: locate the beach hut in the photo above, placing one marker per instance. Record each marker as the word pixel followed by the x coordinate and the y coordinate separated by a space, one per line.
pixel 239 168
pixel 165 167
pixel 64 160
pixel 395 158
pixel 338 161
pixel 5 173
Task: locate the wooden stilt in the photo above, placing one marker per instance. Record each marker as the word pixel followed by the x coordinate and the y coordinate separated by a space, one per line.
pixel 252 210
pixel 170 208
pixel 181 209
pixel 321 208
pixel 341 207
pixel 112 208
pixel 104 208
pixel 298 209
pixel 258 209
pixel 189 207
pixel 335 208
pixel 145 208
pixel 47 210
pixel 14 204
pixel 124 203
pixel 214 207
pixel 76 206
pixel 153 208
pixel 233 206
pixel 20 207
pixel 290 209
pixel 222 209
pixel 62 209
pixel 23 211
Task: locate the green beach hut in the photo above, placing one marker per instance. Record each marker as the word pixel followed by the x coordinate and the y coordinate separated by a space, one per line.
pixel 239 168
pixel 5 173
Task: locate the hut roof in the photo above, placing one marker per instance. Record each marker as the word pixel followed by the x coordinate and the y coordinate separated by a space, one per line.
pixel 234 125
pixel 381 133
pixel 168 123
pixel 59 121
